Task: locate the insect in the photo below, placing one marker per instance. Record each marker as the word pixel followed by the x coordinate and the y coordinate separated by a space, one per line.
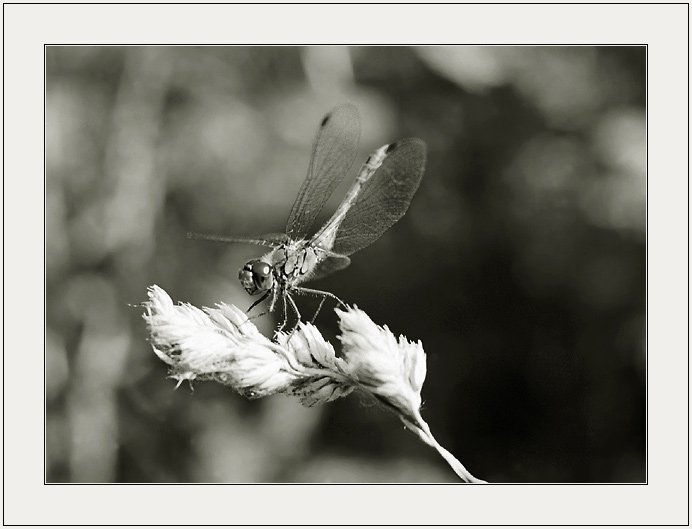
pixel 377 199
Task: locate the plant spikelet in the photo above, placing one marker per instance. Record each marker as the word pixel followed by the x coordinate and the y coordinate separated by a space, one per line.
pixel 222 345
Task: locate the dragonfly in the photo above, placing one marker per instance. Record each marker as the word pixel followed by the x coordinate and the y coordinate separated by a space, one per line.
pixel 379 197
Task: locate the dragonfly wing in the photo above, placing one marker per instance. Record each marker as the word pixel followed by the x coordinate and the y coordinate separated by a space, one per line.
pixel 384 198
pixel 268 239
pixel 333 152
pixel 329 266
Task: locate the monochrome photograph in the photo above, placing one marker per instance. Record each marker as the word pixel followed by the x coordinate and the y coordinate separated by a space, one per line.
pixel 345 264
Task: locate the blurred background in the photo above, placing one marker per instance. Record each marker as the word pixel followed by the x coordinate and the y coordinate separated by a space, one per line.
pixel 521 263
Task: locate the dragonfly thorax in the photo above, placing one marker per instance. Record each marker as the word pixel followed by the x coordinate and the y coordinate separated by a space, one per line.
pixel 256 277
pixel 293 262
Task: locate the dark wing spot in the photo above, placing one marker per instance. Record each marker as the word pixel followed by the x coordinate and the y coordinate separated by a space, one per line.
pixel 390 147
pixel 324 121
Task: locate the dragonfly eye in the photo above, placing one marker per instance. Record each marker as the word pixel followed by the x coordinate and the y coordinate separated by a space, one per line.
pixel 256 277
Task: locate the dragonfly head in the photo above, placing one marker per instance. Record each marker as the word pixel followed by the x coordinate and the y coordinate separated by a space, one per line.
pixel 256 277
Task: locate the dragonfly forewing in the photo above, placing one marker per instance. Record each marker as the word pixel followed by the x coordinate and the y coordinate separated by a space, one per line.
pixel 333 152
pixel 273 240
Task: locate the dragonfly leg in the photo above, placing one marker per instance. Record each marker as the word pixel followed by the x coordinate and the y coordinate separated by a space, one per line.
pixel 272 304
pixel 319 307
pixel 283 324
pixel 318 293
pixel 274 292
pixel 295 309
pixel 260 300
pixel 294 306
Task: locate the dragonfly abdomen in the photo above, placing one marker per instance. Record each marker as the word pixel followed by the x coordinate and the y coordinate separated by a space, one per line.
pixel 326 236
